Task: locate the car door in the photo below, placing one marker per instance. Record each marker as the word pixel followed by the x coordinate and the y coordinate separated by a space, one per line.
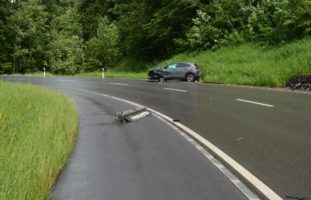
pixel 171 70
pixel 181 70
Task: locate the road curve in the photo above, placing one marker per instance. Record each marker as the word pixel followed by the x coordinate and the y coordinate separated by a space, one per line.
pixel 267 131
pixel 147 159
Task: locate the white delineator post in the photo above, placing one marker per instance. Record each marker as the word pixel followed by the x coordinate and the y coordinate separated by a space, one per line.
pixel 103 72
pixel 43 71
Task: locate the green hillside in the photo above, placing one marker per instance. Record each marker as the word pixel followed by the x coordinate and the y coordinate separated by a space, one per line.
pixel 252 64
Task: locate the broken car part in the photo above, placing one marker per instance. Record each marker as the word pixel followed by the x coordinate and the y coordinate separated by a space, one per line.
pixel 133 114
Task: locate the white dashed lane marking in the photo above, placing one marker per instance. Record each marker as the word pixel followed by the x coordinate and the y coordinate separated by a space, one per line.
pixel 177 90
pixel 254 102
pixel 121 84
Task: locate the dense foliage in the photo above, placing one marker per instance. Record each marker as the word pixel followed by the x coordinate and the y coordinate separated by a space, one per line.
pixel 70 36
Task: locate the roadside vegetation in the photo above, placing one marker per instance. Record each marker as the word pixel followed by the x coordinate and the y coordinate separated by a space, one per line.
pixel 128 68
pixel 235 41
pixel 37 133
pixel 248 63
pixel 34 74
pixel 252 64
pixel 113 74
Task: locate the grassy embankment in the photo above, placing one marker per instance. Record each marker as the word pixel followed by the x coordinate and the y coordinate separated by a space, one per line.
pixel 128 68
pixel 249 64
pixel 35 74
pixel 114 74
pixel 37 133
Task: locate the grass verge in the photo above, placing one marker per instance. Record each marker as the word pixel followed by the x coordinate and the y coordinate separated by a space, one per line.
pixel 36 74
pixel 252 64
pixel 127 68
pixel 114 74
pixel 37 133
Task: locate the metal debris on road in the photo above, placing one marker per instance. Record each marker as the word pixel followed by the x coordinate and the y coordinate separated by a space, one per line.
pixel 133 114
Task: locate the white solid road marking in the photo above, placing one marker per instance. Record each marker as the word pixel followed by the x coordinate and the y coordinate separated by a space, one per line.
pixel 253 181
pixel 118 84
pixel 254 102
pixel 241 186
pixel 177 90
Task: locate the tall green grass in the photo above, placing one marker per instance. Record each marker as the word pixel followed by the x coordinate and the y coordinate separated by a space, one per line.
pixel 129 75
pixel 252 64
pixel 129 68
pixel 114 74
pixel 37 133
pixel 131 65
pixel 36 74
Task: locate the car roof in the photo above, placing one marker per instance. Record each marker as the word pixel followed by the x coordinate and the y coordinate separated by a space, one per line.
pixel 182 62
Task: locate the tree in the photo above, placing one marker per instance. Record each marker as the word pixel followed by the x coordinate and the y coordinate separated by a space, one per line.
pixel 91 12
pixel 169 24
pixel 5 37
pixel 278 21
pixel 66 46
pixel 103 50
pixel 66 54
pixel 218 23
pixel 69 36
pixel 30 32
pixel 148 29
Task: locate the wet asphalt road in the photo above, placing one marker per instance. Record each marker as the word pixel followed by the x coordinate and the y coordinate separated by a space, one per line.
pixel 146 159
pixel 272 139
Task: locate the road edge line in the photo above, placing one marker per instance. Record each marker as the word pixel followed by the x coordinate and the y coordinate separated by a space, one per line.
pixel 239 170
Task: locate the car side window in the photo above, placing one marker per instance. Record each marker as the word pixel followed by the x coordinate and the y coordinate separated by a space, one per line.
pixel 182 65
pixel 171 66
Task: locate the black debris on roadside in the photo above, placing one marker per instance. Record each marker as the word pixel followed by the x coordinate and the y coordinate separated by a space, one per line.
pixel 299 81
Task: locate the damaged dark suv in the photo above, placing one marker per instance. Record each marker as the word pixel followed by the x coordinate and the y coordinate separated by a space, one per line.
pixel 179 70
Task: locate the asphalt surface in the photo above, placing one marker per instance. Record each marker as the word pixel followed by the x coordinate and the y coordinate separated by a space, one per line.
pixel 267 131
pixel 145 159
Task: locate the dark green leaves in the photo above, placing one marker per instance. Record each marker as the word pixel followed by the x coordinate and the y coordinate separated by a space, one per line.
pixel 71 36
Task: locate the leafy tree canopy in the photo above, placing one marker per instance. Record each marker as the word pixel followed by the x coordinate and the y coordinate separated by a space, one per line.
pixel 70 36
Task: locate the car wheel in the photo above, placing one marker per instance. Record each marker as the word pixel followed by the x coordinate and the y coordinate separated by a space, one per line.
pixel 161 79
pixel 190 77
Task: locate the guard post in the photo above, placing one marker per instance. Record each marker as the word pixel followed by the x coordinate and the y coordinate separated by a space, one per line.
pixel 44 72
pixel 103 72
